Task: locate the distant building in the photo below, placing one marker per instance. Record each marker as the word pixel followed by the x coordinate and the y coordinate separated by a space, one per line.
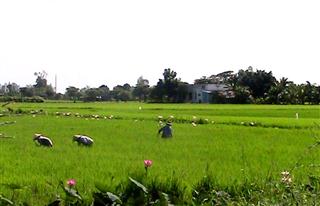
pixel 204 93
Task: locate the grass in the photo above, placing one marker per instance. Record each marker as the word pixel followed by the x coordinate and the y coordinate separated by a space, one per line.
pixel 228 150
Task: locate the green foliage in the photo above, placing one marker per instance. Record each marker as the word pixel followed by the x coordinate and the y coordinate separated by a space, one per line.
pixel 143 192
pixel 169 89
pixel 41 88
pixel 259 82
pixel 91 94
pixel 35 99
pixel 27 91
pixel 105 93
pixel 73 93
pixel 121 92
pixel 41 81
pixel 72 196
pixel 9 89
pixel 244 87
pixel 106 198
pixel 5 201
pixel 226 77
pixel 203 191
pixel 141 90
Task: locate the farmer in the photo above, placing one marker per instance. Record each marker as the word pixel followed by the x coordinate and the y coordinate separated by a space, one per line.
pixel 42 140
pixel 166 130
pixel 82 139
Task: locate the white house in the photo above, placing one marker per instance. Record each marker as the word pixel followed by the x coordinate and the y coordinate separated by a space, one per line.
pixel 203 93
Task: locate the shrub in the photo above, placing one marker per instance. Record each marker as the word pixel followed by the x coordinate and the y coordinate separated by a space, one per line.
pixel 35 99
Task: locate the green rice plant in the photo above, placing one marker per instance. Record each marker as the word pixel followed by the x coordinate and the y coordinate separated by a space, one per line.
pixel 5 201
pixel 237 154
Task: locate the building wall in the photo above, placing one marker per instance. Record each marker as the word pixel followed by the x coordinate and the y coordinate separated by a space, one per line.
pixel 202 93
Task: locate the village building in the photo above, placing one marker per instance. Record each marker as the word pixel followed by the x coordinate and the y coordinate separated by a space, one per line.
pixel 205 93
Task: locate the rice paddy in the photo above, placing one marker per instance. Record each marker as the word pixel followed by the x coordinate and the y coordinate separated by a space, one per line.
pixel 229 142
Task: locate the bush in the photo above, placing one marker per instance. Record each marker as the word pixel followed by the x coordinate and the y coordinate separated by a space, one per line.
pixel 35 99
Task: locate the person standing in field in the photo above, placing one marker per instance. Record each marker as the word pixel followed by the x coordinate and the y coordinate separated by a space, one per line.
pixel 166 130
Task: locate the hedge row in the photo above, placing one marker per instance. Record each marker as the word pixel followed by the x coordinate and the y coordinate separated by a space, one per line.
pixel 36 99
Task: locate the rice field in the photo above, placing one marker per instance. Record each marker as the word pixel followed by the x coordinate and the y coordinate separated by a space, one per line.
pixel 229 142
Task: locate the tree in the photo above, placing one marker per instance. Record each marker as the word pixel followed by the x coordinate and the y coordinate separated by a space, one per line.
pixel 157 92
pixel 293 94
pixel 203 80
pixel 10 89
pixel 166 88
pixel 105 93
pixel 300 93
pixel 259 82
pixel 170 84
pixel 141 90
pixel 311 92
pixel 277 93
pixel 41 87
pixel 126 86
pixel 182 92
pixel 220 78
pixel 122 92
pixel 41 80
pixel 27 91
pixel 242 95
pixel 73 93
pixel 315 94
pixel 91 94
pixel 49 92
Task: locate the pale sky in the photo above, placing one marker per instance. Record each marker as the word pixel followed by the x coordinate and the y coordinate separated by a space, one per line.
pixel 114 42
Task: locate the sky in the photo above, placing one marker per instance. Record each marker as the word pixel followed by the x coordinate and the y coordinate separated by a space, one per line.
pixel 111 42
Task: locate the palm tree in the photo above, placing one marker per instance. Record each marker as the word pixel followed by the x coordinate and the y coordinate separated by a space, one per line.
pixel 278 92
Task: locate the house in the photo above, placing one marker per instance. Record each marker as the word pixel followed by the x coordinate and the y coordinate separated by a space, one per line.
pixel 204 93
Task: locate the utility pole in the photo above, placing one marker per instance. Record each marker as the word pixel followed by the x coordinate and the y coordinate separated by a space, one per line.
pixel 55 83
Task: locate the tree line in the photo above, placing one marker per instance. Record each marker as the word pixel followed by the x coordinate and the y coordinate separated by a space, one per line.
pixel 247 86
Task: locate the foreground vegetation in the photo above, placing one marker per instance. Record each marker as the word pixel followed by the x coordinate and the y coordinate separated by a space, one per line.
pixel 230 154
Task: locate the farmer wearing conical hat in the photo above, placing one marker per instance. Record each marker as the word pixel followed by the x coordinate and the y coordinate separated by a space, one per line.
pixel 166 130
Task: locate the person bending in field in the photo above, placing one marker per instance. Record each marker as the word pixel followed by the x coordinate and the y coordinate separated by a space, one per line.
pixel 166 130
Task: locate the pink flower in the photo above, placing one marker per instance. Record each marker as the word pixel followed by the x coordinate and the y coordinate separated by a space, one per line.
pixel 71 182
pixel 147 163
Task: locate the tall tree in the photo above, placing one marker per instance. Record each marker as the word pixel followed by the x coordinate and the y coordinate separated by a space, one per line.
pixel 277 93
pixel 166 88
pixel 122 92
pixel 220 78
pixel 157 93
pixel 12 89
pixel 41 80
pixel 259 82
pixel 27 91
pixel 41 87
pixel 170 84
pixel 73 93
pixel 315 94
pixel 91 94
pixel 203 80
pixel 182 92
pixel 105 93
pixel 141 90
pixel 241 95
